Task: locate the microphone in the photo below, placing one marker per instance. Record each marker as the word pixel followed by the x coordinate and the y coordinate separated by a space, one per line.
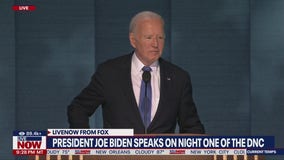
pixel 146 76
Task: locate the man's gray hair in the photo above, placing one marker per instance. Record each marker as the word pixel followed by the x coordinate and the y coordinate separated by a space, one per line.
pixel 142 16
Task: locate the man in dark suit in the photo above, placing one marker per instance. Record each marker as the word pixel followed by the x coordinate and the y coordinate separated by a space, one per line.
pixel 139 90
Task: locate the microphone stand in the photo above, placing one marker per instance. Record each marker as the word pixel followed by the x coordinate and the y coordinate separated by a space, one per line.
pixel 146 76
pixel 146 105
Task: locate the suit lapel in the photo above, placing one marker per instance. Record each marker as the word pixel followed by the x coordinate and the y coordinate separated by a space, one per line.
pixel 165 79
pixel 128 89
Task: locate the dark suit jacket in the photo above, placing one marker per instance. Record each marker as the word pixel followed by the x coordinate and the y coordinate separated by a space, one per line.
pixel 111 86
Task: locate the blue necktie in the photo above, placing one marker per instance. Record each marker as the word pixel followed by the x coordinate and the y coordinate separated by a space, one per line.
pixel 145 101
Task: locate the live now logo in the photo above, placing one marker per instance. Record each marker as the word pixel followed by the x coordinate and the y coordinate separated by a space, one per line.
pixel 23 7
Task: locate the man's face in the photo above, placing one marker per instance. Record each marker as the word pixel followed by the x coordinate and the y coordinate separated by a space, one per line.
pixel 148 40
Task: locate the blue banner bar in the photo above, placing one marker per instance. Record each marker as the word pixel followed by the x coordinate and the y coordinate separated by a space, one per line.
pixel 275 151
pixel 156 142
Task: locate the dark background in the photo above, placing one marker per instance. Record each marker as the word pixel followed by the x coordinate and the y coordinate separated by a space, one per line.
pixel 233 50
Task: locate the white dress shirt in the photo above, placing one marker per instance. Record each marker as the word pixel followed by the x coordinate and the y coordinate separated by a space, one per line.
pixel 136 77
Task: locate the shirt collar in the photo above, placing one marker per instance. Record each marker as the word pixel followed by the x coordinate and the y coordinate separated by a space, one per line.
pixel 138 65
